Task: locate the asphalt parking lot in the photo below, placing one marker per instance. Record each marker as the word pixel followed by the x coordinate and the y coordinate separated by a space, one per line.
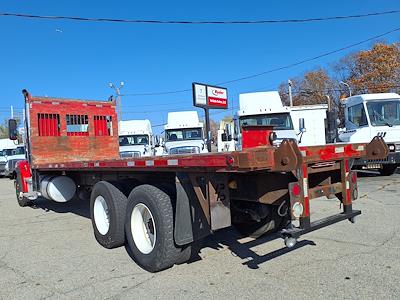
pixel 49 252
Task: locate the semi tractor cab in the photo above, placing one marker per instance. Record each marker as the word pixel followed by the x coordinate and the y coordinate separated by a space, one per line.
pixel 264 109
pixel 135 138
pixel 4 145
pixel 184 133
pixel 372 115
pixel 13 155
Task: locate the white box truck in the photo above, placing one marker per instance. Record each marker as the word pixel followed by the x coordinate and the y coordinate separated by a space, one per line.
pixel 315 121
pixel 184 133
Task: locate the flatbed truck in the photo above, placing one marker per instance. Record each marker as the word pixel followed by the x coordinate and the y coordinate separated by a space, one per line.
pixel 159 206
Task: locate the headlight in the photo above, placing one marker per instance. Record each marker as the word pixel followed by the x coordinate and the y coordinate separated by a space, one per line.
pixel 391 147
pixel 397 147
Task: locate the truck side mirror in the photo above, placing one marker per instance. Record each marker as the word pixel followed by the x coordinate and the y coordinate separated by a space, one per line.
pixel 12 129
pixel 302 126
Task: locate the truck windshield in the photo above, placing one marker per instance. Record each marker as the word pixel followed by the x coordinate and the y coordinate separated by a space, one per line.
pixel 183 134
pixel 281 121
pixel 130 140
pixel 16 151
pixel 386 112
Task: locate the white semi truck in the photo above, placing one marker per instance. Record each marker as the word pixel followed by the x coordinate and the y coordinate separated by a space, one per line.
pixel 184 133
pixel 372 115
pixel 135 138
pixel 261 108
pixel 5 144
pixel 366 116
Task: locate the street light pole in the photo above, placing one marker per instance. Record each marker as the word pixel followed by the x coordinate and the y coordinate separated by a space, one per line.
pixel 290 92
pixel 348 86
pixel 118 92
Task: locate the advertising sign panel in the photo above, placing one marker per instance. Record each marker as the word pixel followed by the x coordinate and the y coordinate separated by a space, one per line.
pixel 208 96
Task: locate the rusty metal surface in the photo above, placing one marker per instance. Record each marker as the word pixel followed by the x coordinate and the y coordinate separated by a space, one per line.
pixel 200 188
pixel 218 195
pixel 63 148
pixel 377 149
pixel 287 157
pixel 325 190
pixel 266 187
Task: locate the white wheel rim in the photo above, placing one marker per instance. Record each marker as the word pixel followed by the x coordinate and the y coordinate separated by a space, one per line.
pixel 143 228
pixel 101 215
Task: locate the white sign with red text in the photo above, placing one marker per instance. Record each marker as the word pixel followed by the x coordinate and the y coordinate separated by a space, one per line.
pixel 217 97
pixel 207 96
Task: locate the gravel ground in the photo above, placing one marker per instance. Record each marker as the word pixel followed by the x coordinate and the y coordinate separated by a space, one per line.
pixel 49 252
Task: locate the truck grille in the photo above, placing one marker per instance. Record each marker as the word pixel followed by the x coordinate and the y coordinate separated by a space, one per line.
pixel 184 150
pixel 11 164
pixel 377 161
pixel 129 154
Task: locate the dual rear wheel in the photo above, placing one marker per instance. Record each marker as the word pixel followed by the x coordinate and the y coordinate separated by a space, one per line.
pixel 144 220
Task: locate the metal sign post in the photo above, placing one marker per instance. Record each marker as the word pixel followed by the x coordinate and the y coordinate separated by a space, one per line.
pixel 206 97
pixel 208 129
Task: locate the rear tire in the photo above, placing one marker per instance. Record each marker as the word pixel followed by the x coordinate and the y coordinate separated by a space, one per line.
pixel 388 170
pixel 107 211
pixel 149 228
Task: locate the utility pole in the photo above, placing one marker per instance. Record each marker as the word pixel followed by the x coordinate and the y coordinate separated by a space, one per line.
pixel 118 92
pixel 290 92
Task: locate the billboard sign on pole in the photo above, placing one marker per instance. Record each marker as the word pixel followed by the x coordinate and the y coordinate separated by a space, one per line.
pixel 208 96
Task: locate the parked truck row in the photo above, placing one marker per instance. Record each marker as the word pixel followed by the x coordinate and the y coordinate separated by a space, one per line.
pixel 159 206
pixel 365 116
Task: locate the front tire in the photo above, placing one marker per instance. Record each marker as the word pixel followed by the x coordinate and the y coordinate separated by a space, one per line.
pixel 149 228
pixel 22 200
pixel 107 211
pixel 388 170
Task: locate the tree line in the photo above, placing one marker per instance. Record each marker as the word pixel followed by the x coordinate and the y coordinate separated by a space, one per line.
pixel 376 70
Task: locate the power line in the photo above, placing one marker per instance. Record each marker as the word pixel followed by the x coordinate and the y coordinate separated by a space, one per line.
pixel 277 68
pixel 189 22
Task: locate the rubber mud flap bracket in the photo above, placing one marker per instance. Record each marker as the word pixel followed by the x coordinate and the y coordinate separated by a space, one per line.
pixel 287 156
pixel 377 149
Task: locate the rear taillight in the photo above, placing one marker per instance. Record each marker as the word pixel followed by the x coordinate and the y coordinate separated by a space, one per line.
pixel 296 190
